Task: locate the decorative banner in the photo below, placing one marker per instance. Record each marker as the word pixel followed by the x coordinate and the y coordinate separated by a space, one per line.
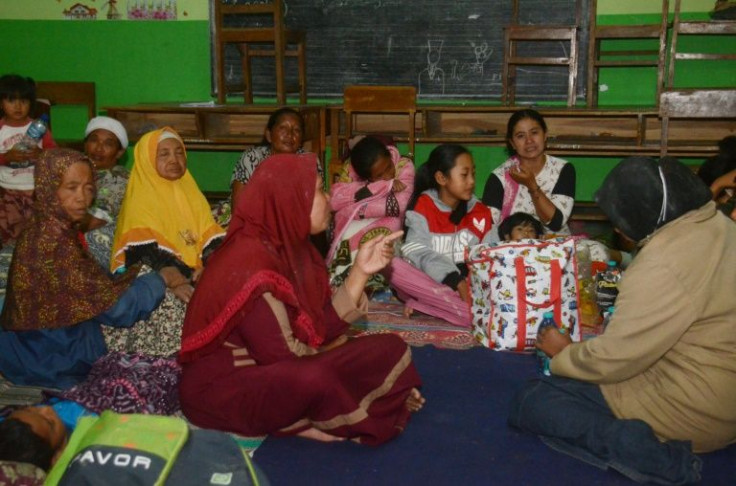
pixel 103 10
pixel 145 10
pixel 79 11
pixel 136 10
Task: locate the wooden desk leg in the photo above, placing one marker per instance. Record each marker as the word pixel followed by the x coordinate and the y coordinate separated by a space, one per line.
pixel 335 166
pixel 323 139
pixel 641 130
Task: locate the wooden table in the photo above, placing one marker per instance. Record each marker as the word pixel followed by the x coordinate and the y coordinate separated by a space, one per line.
pixel 571 131
pixel 217 127
pixel 615 132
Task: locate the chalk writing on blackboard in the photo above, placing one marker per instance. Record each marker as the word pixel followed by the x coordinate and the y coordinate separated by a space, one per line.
pixel 445 48
pixel 482 53
pixel 432 78
pixel 329 5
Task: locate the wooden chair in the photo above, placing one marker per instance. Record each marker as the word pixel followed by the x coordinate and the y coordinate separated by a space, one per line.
pixel 598 58
pixel 274 41
pixel 701 28
pixel 693 104
pixel 525 34
pixel 390 100
pixel 69 93
pixel 381 99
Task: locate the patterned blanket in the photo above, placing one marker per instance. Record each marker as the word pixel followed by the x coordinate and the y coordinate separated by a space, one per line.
pixel 386 314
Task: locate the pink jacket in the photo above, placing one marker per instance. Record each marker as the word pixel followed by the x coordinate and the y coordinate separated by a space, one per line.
pixel 347 209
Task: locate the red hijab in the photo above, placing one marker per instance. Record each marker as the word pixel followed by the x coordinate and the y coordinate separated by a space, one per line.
pixel 267 249
pixel 53 281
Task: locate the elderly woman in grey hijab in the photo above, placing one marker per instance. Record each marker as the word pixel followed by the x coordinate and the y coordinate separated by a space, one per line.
pixel 660 383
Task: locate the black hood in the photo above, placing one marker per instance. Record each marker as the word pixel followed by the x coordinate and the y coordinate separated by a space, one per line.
pixel 632 194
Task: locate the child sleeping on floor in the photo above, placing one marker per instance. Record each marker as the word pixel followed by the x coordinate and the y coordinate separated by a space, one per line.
pixel 36 449
pixel 33 438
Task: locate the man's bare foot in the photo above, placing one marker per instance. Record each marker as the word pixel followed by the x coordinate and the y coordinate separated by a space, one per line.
pixel 415 400
pixel 317 434
pixel 408 311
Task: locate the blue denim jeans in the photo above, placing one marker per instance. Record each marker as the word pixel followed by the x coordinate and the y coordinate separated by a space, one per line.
pixel 572 417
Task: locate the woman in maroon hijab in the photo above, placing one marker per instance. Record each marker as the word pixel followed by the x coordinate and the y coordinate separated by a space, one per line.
pixel 264 349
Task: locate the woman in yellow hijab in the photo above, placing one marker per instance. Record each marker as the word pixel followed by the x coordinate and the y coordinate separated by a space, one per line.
pixel 165 219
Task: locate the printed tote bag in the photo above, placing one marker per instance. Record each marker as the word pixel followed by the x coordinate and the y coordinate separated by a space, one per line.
pixel 513 284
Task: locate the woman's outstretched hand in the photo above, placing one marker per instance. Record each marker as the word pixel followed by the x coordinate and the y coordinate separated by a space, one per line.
pixel 523 176
pixel 375 254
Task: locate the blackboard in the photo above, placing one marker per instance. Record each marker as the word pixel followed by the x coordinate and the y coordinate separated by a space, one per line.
pixel 446 48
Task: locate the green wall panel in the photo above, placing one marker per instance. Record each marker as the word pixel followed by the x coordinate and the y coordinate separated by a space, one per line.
pixel 169 62
pixel 131 62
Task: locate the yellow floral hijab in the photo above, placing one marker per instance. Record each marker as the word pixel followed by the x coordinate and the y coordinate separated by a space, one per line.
pixel 174 214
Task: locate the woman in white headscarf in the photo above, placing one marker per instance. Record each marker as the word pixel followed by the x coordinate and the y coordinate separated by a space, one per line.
pixel 105 143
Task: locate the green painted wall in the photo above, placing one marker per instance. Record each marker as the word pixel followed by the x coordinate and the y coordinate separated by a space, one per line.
pixel 130 62
pixel 139 62
pixel 636 7
pixel 637 86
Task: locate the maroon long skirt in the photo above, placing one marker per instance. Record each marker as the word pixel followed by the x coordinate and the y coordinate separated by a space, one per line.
pixel 357 390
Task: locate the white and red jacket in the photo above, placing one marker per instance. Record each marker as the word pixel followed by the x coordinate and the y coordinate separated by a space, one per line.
pixel 18 178
pixel 435 244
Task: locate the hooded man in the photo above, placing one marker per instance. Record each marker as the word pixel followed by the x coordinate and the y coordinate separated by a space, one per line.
pixel 660 382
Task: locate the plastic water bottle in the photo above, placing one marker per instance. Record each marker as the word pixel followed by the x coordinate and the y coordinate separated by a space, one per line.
pixel 607 316
pixel 548 320
pixel 606 286
pixel 586 286
pixel 35 132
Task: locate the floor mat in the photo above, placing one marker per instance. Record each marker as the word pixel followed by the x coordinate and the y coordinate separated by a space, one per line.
pixel 386 314
pixel 460 437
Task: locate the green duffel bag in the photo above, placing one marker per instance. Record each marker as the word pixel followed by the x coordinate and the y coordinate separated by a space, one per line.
pixel 131 449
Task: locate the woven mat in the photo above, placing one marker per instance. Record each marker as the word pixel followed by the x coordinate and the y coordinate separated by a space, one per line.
pixel 386 316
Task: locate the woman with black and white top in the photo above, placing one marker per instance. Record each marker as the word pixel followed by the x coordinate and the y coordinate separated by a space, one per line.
pixel 531 181
pixel 283 135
